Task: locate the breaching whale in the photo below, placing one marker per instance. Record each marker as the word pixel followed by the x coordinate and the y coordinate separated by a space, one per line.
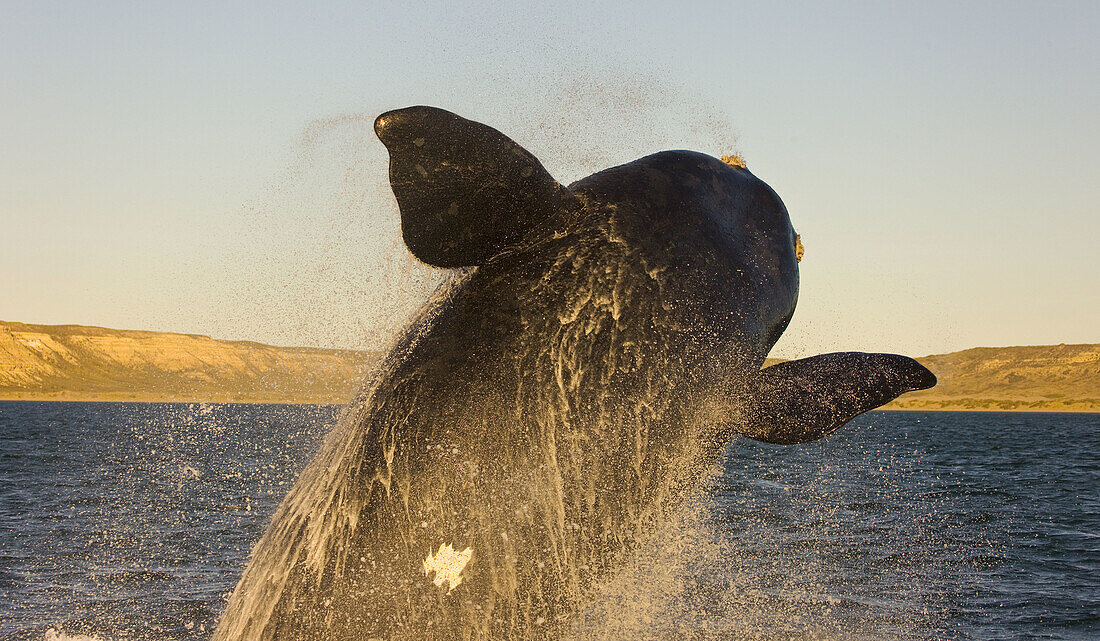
pixel 553 404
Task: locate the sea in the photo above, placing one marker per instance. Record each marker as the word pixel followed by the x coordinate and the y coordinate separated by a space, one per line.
pixel 135 520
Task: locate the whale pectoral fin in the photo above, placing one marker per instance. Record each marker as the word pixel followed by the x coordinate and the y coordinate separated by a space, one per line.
pixel 803 400
pixel 466 191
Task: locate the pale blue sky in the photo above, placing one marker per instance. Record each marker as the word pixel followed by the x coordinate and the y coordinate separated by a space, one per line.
pixel 208 168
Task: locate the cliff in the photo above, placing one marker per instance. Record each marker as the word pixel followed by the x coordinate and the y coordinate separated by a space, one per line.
pixel 1036 378
pixel 73 362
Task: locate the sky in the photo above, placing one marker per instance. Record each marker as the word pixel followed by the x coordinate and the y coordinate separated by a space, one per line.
pixel 210 168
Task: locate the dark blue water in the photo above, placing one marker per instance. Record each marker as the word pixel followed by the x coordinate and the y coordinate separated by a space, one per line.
pixel 133 521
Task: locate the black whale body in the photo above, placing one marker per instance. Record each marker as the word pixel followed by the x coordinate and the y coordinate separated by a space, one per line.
pixel 551 406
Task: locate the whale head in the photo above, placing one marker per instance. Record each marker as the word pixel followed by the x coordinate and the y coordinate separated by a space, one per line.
pixel 719 212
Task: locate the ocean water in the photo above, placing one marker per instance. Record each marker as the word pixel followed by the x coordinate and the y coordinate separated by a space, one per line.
pixel 134 521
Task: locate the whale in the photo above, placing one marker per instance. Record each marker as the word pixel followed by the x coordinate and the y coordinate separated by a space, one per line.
pixel 554 402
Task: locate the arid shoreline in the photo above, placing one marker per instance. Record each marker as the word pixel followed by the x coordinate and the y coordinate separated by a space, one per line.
pixel 94 364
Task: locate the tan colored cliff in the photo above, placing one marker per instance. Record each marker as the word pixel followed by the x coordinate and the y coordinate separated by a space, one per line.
pixel 73 362
pixel 1036 378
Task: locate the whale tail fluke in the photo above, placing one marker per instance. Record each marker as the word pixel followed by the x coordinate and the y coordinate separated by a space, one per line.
pixel 466 191
pixel 803 400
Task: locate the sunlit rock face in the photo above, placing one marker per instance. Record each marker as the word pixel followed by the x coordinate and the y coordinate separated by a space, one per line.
pixel 72 362
pixel 549 408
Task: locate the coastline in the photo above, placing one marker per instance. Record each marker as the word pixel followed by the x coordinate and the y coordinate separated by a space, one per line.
pixel 88 364
pixel 182 400
pixel 322 400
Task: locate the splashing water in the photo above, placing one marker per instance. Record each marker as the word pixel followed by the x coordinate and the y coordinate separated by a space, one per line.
pixel 54 635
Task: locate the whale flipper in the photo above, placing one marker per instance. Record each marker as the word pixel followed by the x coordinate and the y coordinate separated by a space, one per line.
pixel 801 401
pixel 466 191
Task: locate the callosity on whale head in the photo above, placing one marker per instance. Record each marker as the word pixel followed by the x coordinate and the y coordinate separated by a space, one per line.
pixel 550 407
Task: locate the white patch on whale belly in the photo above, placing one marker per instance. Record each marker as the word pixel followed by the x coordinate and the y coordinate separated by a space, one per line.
pixel 447 565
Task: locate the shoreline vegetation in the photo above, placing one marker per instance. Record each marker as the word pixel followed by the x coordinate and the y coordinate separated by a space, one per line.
pixel 82 363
